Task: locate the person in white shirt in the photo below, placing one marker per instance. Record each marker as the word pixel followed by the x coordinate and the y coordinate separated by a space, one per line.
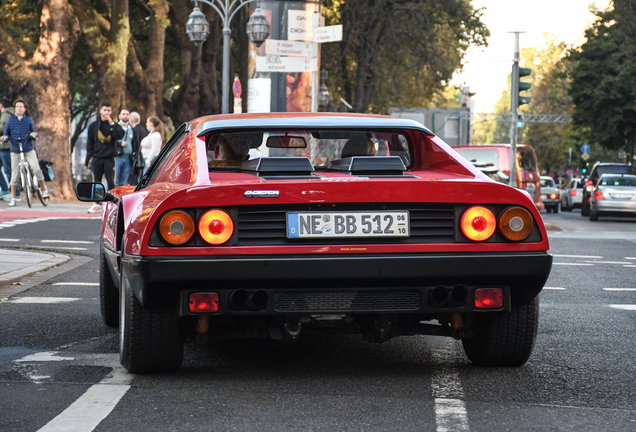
pixel 151 145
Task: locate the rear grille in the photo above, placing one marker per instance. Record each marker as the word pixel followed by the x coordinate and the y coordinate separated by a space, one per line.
pixel 266 225
pixel 358 301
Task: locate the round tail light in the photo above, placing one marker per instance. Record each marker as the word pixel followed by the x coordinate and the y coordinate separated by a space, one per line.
pixel 516 223
pixel 216 227
pixel 478 223
pixel 176 227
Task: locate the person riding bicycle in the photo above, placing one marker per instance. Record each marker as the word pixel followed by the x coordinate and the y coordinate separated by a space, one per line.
pixel 20 130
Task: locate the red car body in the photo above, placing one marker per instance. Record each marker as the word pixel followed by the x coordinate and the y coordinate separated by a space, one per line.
pixel 380 287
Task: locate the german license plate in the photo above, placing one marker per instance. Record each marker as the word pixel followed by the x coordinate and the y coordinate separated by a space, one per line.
pixel 621 196
pixel 348 224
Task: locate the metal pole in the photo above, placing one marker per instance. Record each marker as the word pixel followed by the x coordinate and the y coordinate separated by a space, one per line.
pixel 514 102
pixel 226 71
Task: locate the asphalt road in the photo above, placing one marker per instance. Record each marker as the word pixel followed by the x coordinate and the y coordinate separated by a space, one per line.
pixel 59 363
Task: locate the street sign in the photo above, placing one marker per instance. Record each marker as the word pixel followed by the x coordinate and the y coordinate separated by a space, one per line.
pixel 289 48
pixel 274 63
pixel 585 148
pixel 299 25
pixel 328 34
pixel 585 156
pixel 237 89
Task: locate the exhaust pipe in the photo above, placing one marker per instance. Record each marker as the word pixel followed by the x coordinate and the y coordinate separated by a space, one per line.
pixel 438 297
pixel 458 296
pixel 238 299
pixel 257 300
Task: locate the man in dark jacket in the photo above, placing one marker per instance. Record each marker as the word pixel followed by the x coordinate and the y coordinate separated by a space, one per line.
pixel 103 134
pixel 5 156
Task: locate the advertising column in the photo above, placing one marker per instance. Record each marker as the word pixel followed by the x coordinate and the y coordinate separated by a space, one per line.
pixel 286 62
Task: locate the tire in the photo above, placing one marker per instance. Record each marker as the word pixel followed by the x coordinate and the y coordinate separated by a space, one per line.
pixel 108 294
pixel 564 207
pixel 585 209
pixel 504 338
pixel 555 209
pixel 38 192
pixel 593 215
pixel 150 341
pixel 548 209
pixel 26 184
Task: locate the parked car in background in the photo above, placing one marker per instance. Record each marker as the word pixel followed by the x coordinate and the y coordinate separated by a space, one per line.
pixel 572 196
pixel 613 194
pixel 596 172
pixel 527 170
pixel 550 194
pixel 276 225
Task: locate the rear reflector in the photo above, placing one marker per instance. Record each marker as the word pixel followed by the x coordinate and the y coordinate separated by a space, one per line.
pixel 204 303
pixel 488 298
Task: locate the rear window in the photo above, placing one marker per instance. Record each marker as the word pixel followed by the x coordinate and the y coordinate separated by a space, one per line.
pixel 230 149
pixel 618 181
pixel 547 183
pixel 618 169
pixel 483 157
pixel 527 159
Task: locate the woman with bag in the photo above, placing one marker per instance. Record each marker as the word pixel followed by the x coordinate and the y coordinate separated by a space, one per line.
pixel 151 145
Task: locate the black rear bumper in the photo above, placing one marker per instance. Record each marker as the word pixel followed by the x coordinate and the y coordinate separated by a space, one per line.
pixel 165 282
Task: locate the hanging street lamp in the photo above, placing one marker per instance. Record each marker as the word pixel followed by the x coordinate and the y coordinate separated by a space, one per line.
pixel 198 29
pixel 324 97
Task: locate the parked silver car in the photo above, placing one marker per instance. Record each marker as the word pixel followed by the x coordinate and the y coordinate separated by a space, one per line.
pixel 613 194
pixel 550 194
pixel 572 196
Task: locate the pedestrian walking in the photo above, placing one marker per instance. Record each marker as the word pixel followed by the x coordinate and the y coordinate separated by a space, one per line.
pixel 20 130
pixel 103 134
pixel 140 132
pixel 6 111
pixel 124 149
pixel 151 145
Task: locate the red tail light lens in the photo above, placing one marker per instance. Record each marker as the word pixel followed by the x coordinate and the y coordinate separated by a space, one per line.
pixel 216 227
pixel 176 227
pixel 598 194
pixel 204 303
pixel 478 223
pixel 553 196
pixel 488 298
pixel 572 192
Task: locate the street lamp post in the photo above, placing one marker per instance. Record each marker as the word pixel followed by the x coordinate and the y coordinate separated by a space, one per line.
pixel 198 29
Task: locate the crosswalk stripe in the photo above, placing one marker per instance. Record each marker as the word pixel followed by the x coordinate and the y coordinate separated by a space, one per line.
pixel 43 300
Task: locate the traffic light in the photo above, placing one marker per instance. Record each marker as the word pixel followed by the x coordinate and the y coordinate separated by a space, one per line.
pixel 524 86
pixel 519 120
pixel 584 166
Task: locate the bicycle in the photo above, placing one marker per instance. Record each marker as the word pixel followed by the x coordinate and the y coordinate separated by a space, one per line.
pixel 30 185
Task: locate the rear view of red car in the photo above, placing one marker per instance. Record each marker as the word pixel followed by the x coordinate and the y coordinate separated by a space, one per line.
pixel 273 225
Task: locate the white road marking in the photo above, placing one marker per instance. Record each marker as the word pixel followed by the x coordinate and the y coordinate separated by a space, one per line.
pixel 67 241
pixel 634 258
pixel 624 307
pixel 554 288
pixel 446 386
pixel 630 266
pixel 43 300
pixel 60 247
pixel 6 225
pixel 578 256
pixel 607 262
pixel 9 240
pixel 15 222
pixel 43 357
pixel 78 283
pixel 571 264
pixel 619 289
pixel 87 412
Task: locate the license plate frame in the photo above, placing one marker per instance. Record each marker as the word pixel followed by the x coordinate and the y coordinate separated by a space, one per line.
pixel 622 196
pixel 368 224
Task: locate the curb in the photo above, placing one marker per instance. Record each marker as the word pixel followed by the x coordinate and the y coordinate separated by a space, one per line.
pixel 552 227
pixel 17 275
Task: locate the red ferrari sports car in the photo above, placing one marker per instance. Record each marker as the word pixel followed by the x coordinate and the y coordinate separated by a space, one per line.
pixel 270 225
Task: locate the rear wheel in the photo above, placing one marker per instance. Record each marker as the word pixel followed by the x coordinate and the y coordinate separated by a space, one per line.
pixel 564 206
pixel 555 209
pixel 593 215
pixel 585 208
pixel 108 294
pixel 150 341
pixel 504 338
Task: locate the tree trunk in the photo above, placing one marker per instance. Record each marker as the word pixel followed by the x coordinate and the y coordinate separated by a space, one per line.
pixel 43 82
pixel 107 43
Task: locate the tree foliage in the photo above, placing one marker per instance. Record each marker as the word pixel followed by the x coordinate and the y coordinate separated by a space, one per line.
pixel 398 52
pixel 603 87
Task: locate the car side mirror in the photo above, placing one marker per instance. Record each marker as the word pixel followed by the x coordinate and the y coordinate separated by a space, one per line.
pixel 88 191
